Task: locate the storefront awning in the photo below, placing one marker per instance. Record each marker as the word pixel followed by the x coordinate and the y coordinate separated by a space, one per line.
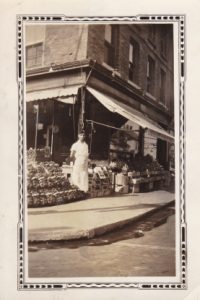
pixel 65 95
pixel 131 114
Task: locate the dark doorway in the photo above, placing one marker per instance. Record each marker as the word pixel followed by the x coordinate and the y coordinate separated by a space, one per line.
pixel 162 153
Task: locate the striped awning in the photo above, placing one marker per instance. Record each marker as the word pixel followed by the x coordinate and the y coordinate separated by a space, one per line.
pixel 131 114
pixel 65 95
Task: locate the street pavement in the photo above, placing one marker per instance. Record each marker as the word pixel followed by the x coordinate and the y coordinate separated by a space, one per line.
pixel 92 217
pixel 150 255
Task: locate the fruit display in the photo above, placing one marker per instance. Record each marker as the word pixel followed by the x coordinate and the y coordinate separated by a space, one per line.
pixel 143 163
pixel 122 175
pixel 143 173
pixel 116 165
pixel 31 155
pixel 39 154
pixel 139 164
pixel 46 185
pixel 100 163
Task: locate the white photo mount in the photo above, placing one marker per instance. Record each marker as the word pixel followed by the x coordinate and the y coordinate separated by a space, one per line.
pixel 144 283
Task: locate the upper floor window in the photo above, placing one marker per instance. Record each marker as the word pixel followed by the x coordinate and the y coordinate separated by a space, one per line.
pixel 34 55
pixel 150 75
pixel 163 41
pixel 152 34
pixel 163 46
pixel 162 86
pixel 111 37
pixel 134 61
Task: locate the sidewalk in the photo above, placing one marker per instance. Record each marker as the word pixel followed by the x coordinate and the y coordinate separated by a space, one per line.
pixel 92 217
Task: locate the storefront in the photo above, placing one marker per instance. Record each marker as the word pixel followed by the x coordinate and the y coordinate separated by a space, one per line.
pixel 128 150
pixel 52 122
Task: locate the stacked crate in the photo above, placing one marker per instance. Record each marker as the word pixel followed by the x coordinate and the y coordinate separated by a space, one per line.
pixel 106 187
pixel 94 186
pixel 99 187
pixel 121 183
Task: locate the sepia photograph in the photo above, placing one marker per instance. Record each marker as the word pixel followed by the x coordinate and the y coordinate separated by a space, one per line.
pixel 99 150
pixel 100 167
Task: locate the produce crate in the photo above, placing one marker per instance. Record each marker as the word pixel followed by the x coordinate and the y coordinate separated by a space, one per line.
pixel 121 179
pixel 146 184
pixel 123 189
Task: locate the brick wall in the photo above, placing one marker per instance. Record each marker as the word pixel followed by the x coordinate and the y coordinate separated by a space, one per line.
pixel 95 48
pixel 65 43
pixel 34 34
pixel 123 51
pixel 140 33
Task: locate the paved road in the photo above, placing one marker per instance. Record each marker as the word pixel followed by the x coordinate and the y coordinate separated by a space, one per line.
pixel 150 255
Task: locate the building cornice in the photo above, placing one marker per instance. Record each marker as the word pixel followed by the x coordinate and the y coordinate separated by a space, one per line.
pixel 54 69
pixel 105 74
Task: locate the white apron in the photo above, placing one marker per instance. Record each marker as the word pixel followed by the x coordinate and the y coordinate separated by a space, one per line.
pixel 79 175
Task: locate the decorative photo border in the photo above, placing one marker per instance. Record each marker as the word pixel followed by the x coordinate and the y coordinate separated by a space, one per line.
pixel 21 21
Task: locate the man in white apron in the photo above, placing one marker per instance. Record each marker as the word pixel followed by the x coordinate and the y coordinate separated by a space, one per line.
pixel 79 150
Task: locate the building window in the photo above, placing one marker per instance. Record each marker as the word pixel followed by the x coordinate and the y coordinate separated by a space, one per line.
pixel 152 34
pixel 34 55
pixel 134 61
pixel 150 75
pixel 163 47
pixel 163 41
pixel 162 86
pixel 111 38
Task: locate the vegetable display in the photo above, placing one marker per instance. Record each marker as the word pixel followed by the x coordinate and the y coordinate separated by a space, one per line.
pixel 46 185
pixel 138 164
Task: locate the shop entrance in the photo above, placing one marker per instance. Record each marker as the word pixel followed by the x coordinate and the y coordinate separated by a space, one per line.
pixel 162 153
pixel 56 128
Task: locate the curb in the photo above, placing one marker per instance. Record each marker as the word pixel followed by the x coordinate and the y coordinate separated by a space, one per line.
pixel 64 235
pixel 104 229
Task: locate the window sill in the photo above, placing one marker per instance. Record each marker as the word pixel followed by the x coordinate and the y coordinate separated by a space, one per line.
pixel 108 67
pixel 163 105
pixel 117 73
pixel 150 96
pixel 134 85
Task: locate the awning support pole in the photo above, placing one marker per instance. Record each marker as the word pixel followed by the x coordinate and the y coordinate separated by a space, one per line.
pixel 73 116
pixel 82 108
pixel 91 134
pixel 36 124
pixel 141 141
pixel 52 132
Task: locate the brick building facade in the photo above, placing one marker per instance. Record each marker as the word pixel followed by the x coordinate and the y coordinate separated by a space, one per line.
pixel 132 63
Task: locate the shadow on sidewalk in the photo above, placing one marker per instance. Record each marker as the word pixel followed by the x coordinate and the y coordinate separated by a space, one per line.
pixel 101 209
